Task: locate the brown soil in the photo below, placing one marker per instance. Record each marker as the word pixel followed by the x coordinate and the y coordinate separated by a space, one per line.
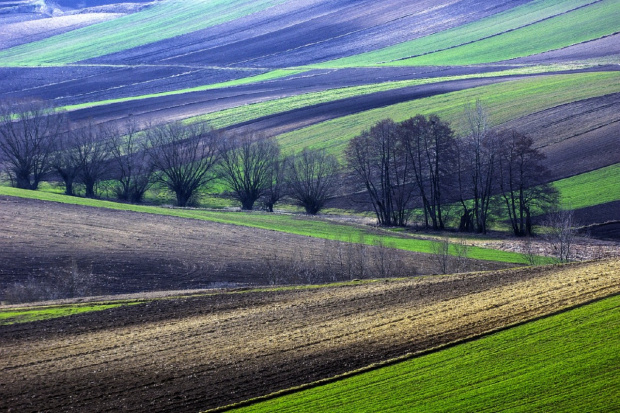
pixel 130 252
pixel 194 353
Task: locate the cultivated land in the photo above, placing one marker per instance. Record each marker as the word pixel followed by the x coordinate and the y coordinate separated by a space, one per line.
pixel 158 337
pixel 198 352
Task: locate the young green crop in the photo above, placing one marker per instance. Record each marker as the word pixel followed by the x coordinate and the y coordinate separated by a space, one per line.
pixel 505 101
pixel 588 23
pixel 512 19
pixel 566 362
pixel 591 188
pixel 28 314
pixel 161 21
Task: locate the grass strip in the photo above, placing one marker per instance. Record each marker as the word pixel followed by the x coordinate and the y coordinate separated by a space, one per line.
pixel 591 188
pixel 292 224
pixel 274 74
pixel 588 23
pixel 511 19
pixel 564 362
pixel 504 101
pixel 29 314
pixel 161 21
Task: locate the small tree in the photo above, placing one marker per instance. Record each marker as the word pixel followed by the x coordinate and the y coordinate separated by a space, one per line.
pixel 312 178
pixel 184 157
pixel 247 166
pixel 27 136
pixel 561 233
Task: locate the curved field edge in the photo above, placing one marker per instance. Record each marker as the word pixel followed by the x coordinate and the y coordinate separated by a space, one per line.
pixel 292 224
pixel 512 19
pixel 567 360
pixel 162 21
pixel 591 188
pixel 504 101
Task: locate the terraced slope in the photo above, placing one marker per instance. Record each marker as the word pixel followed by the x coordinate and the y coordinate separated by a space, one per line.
pixel 193 353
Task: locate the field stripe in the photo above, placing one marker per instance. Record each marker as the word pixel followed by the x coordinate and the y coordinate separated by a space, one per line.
pixel 292 224
pixel 557 362
pixel 164 20
pixel 512 19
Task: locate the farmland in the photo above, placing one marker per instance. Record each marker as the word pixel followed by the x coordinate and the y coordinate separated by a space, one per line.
pixel 511 369
pixel 107 305
pixel 177 354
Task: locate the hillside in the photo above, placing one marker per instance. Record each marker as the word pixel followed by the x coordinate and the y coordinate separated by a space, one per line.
pixel 195 352
pixel 298 69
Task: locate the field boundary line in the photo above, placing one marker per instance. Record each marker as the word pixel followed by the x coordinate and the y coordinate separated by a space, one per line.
pixel 400 359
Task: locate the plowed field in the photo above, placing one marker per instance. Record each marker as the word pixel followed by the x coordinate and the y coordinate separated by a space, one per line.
pixel 193 353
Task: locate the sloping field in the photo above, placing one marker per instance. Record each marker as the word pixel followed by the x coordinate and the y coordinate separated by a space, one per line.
pixel 163 20
pixel 520 16
pixel 567 362
pixel 194 353
pixel 14 34
pixel 590 22
pixel 505 101
pixel 128 252
pixel 300 33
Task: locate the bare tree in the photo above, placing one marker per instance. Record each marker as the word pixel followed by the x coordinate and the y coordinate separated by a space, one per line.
pixel 430 145
pixel 479 151
pixel 276 188
pixel 92 153
pixel 65 160
pixel 27 135
pixel 441 254
pixel 312 177
pixel 379 162
pixel 132 168
pixel 184 157
pixel 561 232
pixel 248 161
pixel 522 180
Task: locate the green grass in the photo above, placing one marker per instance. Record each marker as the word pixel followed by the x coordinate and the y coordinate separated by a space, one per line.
pixel 164 20
pixel 232 116
pixel 490 26
pixel 564 363
pixel 274 74
pixel 292 224
pixel 591 188
pixel 28 314
pixel 588 23
pixel 505 101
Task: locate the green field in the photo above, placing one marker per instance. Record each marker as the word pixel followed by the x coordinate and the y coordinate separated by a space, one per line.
pixel 161 21
pixel 274 74
pixel 504 101
pixel 591 188
pixel 512 19
pixel 588 23
pixel 566 362
pixel 28 314
pixel 293 224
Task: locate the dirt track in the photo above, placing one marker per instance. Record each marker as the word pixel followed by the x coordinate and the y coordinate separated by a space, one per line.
pixel 202 352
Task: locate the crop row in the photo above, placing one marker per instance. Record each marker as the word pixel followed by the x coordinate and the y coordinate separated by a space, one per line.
pixel 505 101
pixel 512 19
pixel 566 362
pixel 162 21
